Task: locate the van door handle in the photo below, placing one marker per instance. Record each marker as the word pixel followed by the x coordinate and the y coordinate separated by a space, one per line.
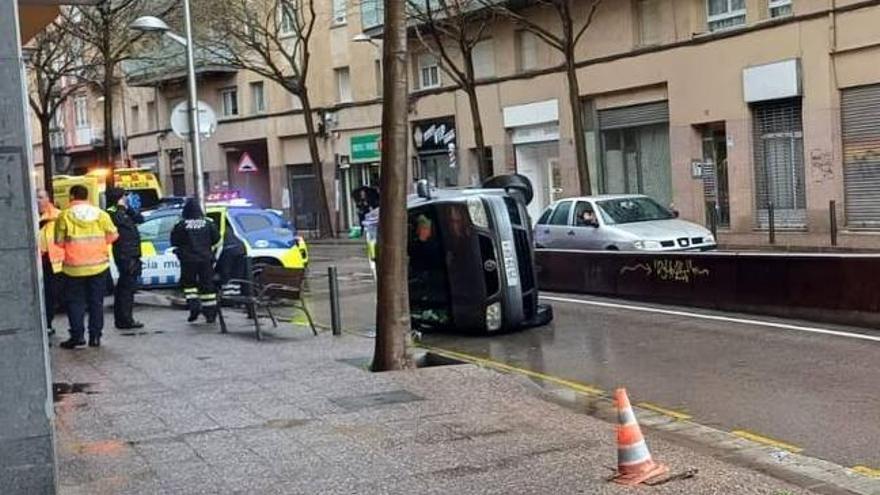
pixel 570 232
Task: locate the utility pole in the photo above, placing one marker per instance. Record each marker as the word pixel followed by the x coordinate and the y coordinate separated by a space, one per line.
pixel 392 309
pixel 26 424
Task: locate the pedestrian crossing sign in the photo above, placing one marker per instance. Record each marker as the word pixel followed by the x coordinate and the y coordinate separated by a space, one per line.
pixel 246 164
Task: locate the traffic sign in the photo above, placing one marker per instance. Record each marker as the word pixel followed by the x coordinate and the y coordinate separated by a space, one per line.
pixel 246 164
pixel 180 120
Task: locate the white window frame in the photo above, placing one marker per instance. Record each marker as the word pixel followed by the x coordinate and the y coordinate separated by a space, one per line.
pixel 343 94
pixel 286 20
pixel 429 71
pixel 729 14
pixel 258 97
pixel 225 110
pixel 487 70
pixel 775 5
pixel 340 13
pixel 81 112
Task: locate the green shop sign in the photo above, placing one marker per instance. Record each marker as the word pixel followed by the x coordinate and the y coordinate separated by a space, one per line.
pixel 365 148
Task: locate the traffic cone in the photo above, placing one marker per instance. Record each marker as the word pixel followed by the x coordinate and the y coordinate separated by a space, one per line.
pixel 634 462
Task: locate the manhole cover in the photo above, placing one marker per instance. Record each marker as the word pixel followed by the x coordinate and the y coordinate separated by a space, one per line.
pixel 355 402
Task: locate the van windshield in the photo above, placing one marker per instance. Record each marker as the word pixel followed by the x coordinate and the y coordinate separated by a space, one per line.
pixel 148 198
pixel 631 210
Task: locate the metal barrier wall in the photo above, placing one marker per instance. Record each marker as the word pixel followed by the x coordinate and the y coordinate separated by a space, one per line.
pixel 838 288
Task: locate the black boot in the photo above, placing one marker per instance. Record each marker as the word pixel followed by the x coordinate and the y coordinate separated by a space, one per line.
pixel 72 343
pixel 195 307
pixel 94 341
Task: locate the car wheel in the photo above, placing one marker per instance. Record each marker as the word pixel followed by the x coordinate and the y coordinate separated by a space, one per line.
pixel 510 183
pixel 612 248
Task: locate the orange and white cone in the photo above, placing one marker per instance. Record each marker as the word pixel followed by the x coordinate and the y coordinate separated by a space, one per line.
pixel 634 462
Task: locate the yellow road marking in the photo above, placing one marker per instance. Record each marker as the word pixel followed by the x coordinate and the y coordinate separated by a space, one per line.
pixel 488 363
pixel 766 440
pixel 870 472
pixel 680 416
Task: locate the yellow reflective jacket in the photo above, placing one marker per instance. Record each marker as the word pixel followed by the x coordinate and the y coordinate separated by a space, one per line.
pixel 47 238
pixel 86 233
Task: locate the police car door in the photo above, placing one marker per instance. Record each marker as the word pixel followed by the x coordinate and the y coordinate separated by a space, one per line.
pixel 160 265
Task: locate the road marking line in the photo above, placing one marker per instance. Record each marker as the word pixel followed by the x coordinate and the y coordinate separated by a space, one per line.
pixel 488 363
pixel 680 416
pixel 869 472
pixel 766 441
pixel 729 319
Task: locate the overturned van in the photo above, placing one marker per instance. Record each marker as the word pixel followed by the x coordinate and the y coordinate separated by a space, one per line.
pixel 471 258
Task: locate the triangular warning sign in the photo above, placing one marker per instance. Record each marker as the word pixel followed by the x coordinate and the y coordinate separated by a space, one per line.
pixel 246 163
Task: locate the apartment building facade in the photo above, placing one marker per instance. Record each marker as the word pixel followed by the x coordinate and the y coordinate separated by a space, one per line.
pixel 720 108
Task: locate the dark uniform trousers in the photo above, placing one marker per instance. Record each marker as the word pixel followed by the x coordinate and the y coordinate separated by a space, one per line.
pixel 126 285
pixel 197 280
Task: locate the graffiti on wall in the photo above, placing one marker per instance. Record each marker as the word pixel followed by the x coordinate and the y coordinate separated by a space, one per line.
pixel 668 270
pixel 821 165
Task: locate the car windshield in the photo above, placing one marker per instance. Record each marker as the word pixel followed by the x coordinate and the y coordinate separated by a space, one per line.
pixel 629 210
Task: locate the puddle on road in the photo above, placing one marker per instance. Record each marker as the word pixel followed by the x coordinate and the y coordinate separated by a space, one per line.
pixel 60 389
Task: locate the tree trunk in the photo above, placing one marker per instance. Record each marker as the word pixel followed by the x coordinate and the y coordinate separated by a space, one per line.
pixel 577 120
pixel 392 308
pixel 108 118
pixel 479 143
pixel 46 145
pixel 325 228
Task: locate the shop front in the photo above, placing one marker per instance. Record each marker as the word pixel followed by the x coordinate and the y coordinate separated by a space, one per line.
pixel 358 169
pixel 534 133
pixel 436 153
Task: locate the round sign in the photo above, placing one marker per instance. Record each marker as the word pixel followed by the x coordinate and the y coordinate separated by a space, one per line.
pixel 180 120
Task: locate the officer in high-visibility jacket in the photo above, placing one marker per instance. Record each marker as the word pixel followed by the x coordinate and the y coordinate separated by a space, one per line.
pixel 193 238
pixel 52 256
pixel 86 233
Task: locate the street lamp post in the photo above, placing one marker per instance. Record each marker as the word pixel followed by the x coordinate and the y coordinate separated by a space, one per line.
pixel 150 23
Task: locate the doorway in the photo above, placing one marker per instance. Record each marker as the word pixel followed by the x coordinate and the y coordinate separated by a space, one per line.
pixel 303 196
pixel 252 179
pixel 714 174
pixel 539 162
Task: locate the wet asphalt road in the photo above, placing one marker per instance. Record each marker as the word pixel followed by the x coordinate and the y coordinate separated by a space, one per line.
pixel 818 392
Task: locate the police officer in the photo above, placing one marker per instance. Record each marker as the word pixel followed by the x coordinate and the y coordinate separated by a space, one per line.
pixel 126 255
pixel 194 237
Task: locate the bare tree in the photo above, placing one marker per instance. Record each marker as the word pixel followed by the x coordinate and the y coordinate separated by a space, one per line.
pixel 461 24
pixel 392 308
pixel 54 62
pixel 108 41
pixel 563 37
pixel 272 38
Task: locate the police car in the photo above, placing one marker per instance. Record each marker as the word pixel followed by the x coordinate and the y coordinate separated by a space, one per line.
pixel 269 238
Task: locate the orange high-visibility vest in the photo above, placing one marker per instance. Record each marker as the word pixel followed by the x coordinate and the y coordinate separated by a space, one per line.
pixel 47 238
pixel 86 233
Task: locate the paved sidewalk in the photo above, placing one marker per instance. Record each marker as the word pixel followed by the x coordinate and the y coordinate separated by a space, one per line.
pixel 182 409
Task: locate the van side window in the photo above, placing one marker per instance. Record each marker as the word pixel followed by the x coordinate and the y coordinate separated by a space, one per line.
pixel 560 215
pixel 545 217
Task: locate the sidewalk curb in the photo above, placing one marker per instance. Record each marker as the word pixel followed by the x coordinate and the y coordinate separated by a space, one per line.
pixel 808 472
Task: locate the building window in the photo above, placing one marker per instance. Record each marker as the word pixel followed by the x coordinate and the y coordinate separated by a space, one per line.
pixel 483 57
pixel 526 51
pixel 152 117
pixel 725 14
pixel 288 20
pixel 343 85
pixel 372 13
pixel 339 7
pixel 378 72
pixel 81 111
pixel 229 98
pixel 429 71
pixel 779 163
pixel 135 119
pixel 258 97
pixel 649 18
pixel 780 8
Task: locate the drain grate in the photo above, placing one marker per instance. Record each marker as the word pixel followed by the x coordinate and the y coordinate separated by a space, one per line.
pixel 356 402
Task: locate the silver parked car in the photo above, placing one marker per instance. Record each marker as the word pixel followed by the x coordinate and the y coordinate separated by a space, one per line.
pixel 620 223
